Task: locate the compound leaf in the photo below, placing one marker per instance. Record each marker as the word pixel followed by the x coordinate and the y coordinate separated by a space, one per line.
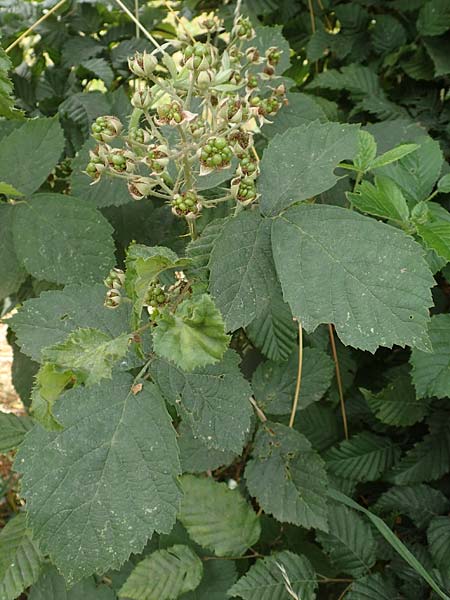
pixel 98 489
pixel 367 278
pixel 217 518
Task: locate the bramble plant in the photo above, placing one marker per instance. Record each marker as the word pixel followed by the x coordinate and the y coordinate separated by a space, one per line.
pixel 232 329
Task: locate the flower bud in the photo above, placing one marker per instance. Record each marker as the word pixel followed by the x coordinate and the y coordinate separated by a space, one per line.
pixel 243 190
pixel 139 187
pixel 142 64
pixel 204 79
pixel 142 98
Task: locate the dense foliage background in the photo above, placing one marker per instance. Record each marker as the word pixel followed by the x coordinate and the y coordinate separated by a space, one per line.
pixel 351 219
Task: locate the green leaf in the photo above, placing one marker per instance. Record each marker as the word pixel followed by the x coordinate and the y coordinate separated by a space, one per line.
pixel 416 173
pixel 48 320
pixel 367 278
pixel 218 577
pixel 438 535
pixel 100 68
pixel 372 587
pixel 242 273
pixel 418 502
pixel 397 404
pixel 50 383
pixel 384 199
pixel 6 89
pixel 301 109
pixel 217 518
pixel 387 34
pixel 274 384
pixel 309 154
pixel 196 456
pixel 214 400
pixel 98 489
pixel 12 430
pixel 164 575
pixel 434 18
pixel 436 235
pixel 320 425
pixel 274 331
pixel 8 190
pixel 367 151
pixel 12 273
pixel 283 460
pixel 357 79
pixel 394 155
pixel 199 250
pixel 63 239
pixel 20 558
pixel 349 541
pixel 271 36
pixel 439 50
pixel 193 336
pixel 51 586
pixel 427 460
pixel 443 184
pixel 364 457
pixel 274 576
pixel 431 370
pixel 29 154
pixel 89 353
pixel 144 265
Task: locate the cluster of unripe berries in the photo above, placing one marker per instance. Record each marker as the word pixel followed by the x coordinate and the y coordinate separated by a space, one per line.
pixel 114 282
pixel 233 92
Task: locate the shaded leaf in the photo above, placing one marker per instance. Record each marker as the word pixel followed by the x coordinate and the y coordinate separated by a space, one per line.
pixel 12 430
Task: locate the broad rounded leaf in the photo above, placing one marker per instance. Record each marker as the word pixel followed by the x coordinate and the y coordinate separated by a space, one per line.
pixel 51 586
pixel 193 336
pixel 12 430
pixel 98 489
pixel 367 278
pixel 215 400
pixel 196 457
pixel 164 575
pixel 300 163
pixel 281 576
pixel 431 370
pixel 242 273
pixel 20 558
pixel 62 239
pixel 287 477
pixel 372 587
pixel 12 273
pixel 217 518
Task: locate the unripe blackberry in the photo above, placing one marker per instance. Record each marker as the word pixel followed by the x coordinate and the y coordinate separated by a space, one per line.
pixel 115 279
pixel 273 55
pixel 243 29
pixel 244 190
pixel 216 153
pixel 157 158
pixel 105 129
pixel 113 298
pixel 187 204
pixel 156 295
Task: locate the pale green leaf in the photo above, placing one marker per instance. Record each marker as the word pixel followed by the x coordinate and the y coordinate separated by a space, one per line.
pixel 443 184
pixel 349 541
pixel 372 587
pixel 89 353
pixel 217 518
pixel 48 320
pixel 438 535
pixel 193 336
pixel 274 384
pixel 367 151
pixel 196 456
pixel 12 430
pixel 164 575
pixel 394 155
pixel 420 503
pixel 98 489
pixel 218 577
pixel 12 273
pixel 434 18
pixel 382 199
pixel 242 273
pixel 30 153
pixel 274 331
pixel 416 173
pixel 436 235
pixel 364 457
pixel 20 558
pixel 214 400
pixel 366 277
pixel 287 477
pixel 51 586
pixel 397 404
pixel 62 239
pixel 308 155
pixel 8 190
pixel 144 265
pixel 50 383
pixel 273 577
pixel 431 370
